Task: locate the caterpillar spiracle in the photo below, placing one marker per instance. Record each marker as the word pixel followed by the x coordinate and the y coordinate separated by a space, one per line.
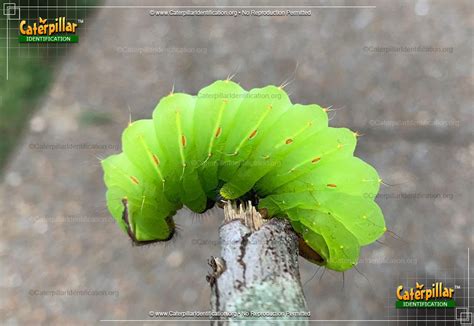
pixel 225 143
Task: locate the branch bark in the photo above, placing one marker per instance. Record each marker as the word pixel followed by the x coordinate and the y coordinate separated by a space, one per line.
pixel 257 276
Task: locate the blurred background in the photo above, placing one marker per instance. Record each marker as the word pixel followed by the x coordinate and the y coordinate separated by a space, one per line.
pixel 398 73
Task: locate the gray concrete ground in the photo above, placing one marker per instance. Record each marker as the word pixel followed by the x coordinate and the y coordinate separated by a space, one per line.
pixel 413 107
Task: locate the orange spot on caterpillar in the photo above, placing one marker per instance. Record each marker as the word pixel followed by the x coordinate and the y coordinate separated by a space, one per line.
pixel 315 160
pixel 134 180
pixel 183 140
pixel 332 185
pixel 339 146
pixel 288 141
pixel 218 132
pixel 253 134
pixel 155 159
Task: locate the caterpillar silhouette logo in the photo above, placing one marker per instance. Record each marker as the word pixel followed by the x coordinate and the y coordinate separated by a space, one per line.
pixel 48 31
pixel 438 296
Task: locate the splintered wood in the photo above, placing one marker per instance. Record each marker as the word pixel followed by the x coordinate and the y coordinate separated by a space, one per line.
pixel 244 212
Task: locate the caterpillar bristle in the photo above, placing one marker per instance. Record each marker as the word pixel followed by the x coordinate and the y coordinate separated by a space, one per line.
pixel 395 236
pixel 129 116
pixel 230 76
pixel 291 78
pixel 382 243
pixel 199 217
pixel 322 274
pixel 311 278
pixel 99 158
pixel 343 281
pixel 172 91
pixel 357 134
pixel 365 277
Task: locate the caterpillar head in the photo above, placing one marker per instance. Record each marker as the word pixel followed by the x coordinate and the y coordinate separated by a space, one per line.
pixel 308 253
pixel 127 218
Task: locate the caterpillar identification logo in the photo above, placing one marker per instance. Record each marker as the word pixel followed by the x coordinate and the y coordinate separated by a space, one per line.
pixel 438 296
pixel 48 31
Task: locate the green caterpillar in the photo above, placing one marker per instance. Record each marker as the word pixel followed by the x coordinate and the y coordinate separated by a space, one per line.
pixel 226 143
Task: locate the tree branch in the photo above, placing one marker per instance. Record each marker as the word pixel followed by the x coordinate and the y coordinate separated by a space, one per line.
pixel 258 274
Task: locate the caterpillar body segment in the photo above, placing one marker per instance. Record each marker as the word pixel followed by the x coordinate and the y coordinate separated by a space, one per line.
pixel 323 146
pixel 255 116
pixel 216 107
pixel 361 216
pixel 289 131
pixel 173 121
pixel 141 147
pixel 349 175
